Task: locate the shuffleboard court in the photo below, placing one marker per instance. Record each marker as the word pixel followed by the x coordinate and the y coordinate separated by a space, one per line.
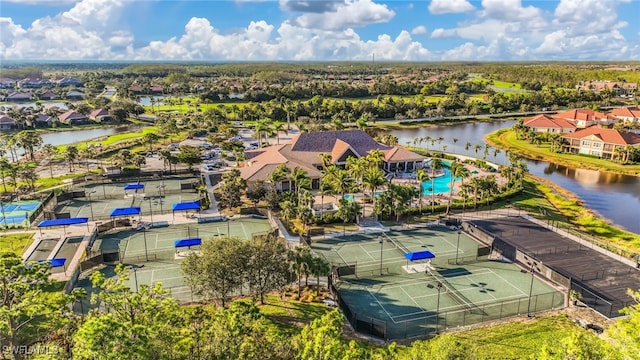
pixel 386 295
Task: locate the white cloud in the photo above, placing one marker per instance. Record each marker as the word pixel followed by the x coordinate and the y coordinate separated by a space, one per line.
pixel 86 31
pixel 351 13
pixel 419 30
pixel 449 6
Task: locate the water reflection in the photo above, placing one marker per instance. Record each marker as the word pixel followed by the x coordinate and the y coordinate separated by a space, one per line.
pixel 615 197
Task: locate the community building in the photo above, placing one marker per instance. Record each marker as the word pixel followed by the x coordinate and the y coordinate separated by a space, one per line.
pixel 304 152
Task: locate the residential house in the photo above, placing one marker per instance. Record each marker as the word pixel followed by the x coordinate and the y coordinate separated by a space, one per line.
pixel 7 123
pixel 33 83
pixel 304 152
pixel 42 120
pixel 552 124
pixel 69 81
pixel 19 96
pixel 599 141
pixel 74 95
pixel 6 83
pixel 626 114
pixel 619 88
pixel 156 89
pixel 48 95
pixel 583 118
pixel 100 115
pixel 73 118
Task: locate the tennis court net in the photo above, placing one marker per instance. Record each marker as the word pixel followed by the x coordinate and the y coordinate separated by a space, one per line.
pixel 397 244
pixel 455 294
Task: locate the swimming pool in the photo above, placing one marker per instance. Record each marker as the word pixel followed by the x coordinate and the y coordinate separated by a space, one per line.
pixel 441 184
pixel 351 197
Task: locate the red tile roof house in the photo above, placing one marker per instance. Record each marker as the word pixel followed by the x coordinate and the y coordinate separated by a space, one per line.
pixel 583 118
pixel 598 141
pixel 73 118
pixel 552 124
pixel 627 114
pixel 304 152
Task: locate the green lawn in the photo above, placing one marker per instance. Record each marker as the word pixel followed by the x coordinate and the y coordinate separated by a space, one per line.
pixel 499 84
pixel 16 243
pixel 506 139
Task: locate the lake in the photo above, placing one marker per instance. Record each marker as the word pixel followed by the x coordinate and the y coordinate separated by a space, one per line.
pixel 613 196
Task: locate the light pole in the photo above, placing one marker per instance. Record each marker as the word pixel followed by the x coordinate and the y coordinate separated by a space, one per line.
pixel 439 287
pixel 381 246
pixel 144 234
pixel 90 204
pixel 531 264
pixel 150 211
pixel 135 273
pixel 458 247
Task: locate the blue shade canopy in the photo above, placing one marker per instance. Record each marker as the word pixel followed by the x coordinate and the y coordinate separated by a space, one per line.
pixel 188 242
pixel 420 255
pixel 186 206
pixel 63 222
pixel 134 186
pixel 55 262
pixel 125 211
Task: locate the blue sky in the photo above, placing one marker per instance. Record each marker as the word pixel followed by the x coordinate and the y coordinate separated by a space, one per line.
pixel 312 30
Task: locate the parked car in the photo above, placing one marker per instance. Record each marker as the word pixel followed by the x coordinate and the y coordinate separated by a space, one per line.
pixel 206 145
pixel 209 167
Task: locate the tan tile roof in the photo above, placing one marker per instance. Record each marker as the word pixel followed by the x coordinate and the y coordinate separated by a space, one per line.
pixel 609 136
pixel 401 154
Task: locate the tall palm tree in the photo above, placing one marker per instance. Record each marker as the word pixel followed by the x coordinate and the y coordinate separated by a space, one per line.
pixel 436 164
pixel 5 166
pixel 29 140
pixel 277 128
pixel 457 171
pixel 50 151
pixel 300 178
pixel 421 177
pixel 342 182
pixel 467 146
pixel 455 141
pixel 373 178
pixel 71 155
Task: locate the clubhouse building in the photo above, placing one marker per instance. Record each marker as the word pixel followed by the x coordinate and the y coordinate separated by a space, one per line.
pixel 304 152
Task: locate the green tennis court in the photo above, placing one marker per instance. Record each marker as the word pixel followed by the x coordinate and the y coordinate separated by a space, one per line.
pixel 152 187
pixel 390 297
pixel 100 209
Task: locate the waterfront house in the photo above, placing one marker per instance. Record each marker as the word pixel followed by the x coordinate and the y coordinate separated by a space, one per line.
pixel 552 124
pixel 7 123
pixel 304 152
pixel 19 96
pixel 73 118
pixel 100 115
pixel 48 95
pixel 626 114
pixel 583 118
pixel 42 120
pixel 599 141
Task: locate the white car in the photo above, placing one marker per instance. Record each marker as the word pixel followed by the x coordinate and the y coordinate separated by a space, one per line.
pixel 208 167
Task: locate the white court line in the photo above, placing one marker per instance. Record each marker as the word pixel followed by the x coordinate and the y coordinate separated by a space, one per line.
pixel 383 309
pixel 494 273
pixel 412 299
pixel 246 236
pixel 366 252
pixel 447 241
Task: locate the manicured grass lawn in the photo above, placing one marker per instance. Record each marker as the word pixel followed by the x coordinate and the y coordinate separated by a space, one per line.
pixel 330 228
pixel 506 139
pixel 499 84
pixel 16 243
pixel 518 340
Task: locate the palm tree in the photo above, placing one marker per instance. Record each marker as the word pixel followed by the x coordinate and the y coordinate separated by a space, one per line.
pixel 455 140
pixel 467 146
pixel 279 127
pixel 71 155
pixel 457 171
pixel 342 182
pixel 27 173
pixel 373 178
pixel 50 151
pixel 477 148
pixel 436 164
pixel 150 138
pixel 29 140
pixel 5 167
pixel 259 128
pixel 347 211
pixel 421 177
pixel 301 261
pixel 300 178
pixel 319 266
